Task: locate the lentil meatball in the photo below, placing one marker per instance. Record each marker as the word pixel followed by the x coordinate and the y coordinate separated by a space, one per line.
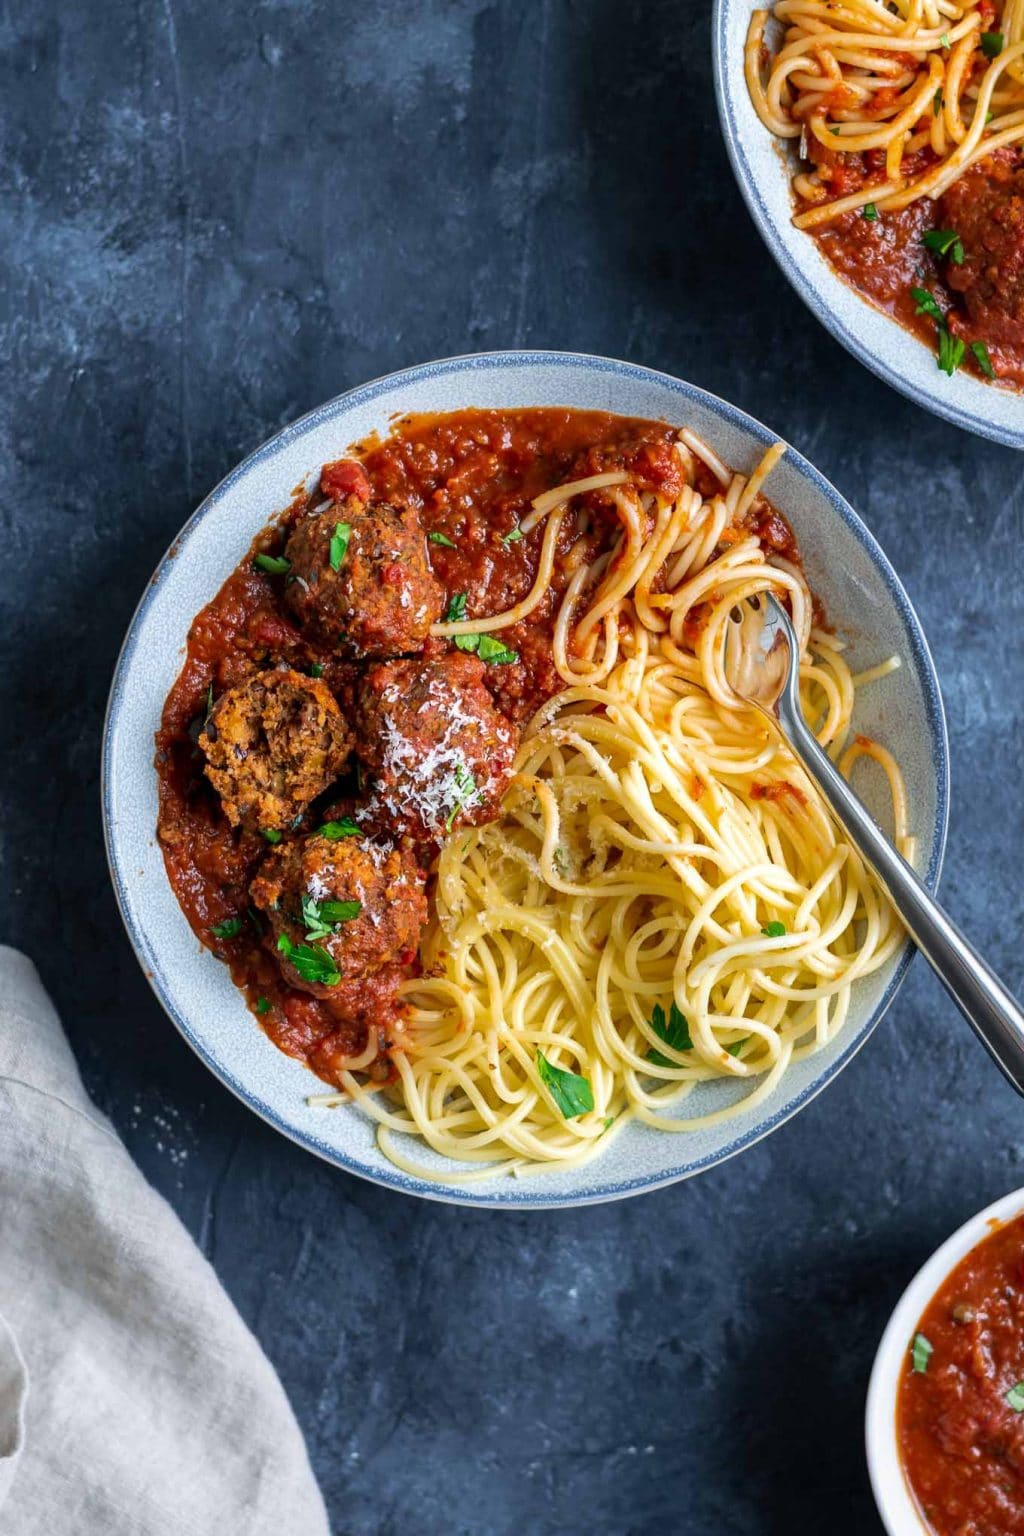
pixel 440 753
pixel 341 911
pixel 986 208
pixel 367 592
pixel 272 744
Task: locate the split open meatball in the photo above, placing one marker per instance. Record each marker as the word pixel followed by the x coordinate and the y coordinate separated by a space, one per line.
pixel 440 753
pixel 272 745
pixel 341 911
pixel 360 581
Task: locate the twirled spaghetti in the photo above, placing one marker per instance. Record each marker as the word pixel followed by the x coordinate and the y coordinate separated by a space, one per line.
pixel 926 87
pixel 663 901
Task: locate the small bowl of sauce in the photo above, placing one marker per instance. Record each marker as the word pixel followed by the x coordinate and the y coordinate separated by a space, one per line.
pixel 945 1411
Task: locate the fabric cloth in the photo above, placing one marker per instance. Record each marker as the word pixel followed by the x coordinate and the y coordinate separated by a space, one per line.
pixel 133 1399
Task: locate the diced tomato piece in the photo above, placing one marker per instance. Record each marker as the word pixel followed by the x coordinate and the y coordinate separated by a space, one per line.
pixel 345 477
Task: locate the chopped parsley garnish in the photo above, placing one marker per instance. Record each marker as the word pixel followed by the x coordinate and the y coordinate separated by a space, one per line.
pixel 920 1353
pixel 336 830
pixel 944 41
pixel 982 359
pixel 209 704
pixel 442 538
pixel 991 44
pixel 317 669
pixel 927 305
pixel 339 544
pixel 488 649
pixel 1015 1398
pixel 737 1046
pixel 263 1005
pixel 572 1094
pixel 937 102
pixel 456 610
pixel 774 930
pixel 951 352
pixel 271 834
pixel 274 565
pixel 512 537
pixel 465 788
pixel 951 348
pixel 322 918
pixel 230 928
pixel 310 961
pixel 675 1033
pixel 869 212
pixel 945 242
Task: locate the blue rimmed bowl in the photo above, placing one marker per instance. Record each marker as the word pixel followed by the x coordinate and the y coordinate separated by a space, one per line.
pixel 763 169
pixel 864 599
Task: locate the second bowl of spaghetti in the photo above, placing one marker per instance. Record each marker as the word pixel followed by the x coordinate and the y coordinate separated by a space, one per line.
pixel 517 904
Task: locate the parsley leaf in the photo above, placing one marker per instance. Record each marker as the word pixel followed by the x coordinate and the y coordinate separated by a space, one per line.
pixel 945 242
pixel 325 917
pixel 228 929
pixel 869 212
pixel 465 788
pixel 272 835
pixel 676 1034
pixel 456 610
pixel 774 930
pixel 512 537
pixel 339 544
pixel 488 649
pixel 310 961
pixel 274 565
pixel 944 41
pixel 572 1094
pixel 937 102
pixel 1015 1397
pixel 336 830
pixel 737 1046
pixel 262 1005
pixel 951 352
pixel 982 359
pixel 991 44
pixel 317 669
pixel 920 1353
pixel 442 538
pixel 927 305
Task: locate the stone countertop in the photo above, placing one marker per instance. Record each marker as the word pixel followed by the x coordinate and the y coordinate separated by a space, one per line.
pixel 215 217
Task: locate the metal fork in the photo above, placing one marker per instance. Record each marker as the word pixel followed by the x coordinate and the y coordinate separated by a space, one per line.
pixel 762 668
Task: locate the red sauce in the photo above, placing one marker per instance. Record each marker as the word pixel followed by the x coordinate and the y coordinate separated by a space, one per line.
pixel 471 476
pixel 884 258
pixel 961 1442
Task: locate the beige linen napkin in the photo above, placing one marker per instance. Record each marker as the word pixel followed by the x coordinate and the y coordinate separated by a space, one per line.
pixel 133 1400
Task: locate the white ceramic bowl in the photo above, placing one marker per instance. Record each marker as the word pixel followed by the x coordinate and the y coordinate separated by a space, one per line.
pixel 763 171
pixel 896 1505
pixel 846 567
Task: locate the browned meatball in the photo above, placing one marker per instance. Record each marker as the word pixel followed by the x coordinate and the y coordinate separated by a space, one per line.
pixel 272 745
pixel 340 910
pixel 986 208
pixel 440 753
pixel 359 578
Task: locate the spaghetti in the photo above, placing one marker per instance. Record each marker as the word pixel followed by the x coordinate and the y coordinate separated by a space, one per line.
pixel 663 901
pixel 924 88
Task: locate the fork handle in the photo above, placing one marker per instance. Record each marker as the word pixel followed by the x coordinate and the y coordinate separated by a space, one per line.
pixel 988 1007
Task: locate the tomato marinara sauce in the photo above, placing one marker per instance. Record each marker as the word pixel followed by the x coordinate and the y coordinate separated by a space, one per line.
pixel 959 259
pixel 960 1412
pixel 298 849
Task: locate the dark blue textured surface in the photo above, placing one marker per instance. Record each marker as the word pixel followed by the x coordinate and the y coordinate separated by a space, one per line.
pixel 211 218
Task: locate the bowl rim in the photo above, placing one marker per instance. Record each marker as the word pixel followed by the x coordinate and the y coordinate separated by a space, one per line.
pixel 936 398
pixel 895 1502
pixel 522 1196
